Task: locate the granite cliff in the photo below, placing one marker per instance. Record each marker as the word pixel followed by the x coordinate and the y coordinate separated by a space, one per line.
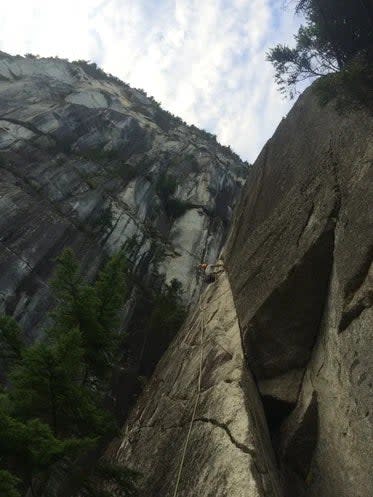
pixel 267 389
pixel 88 162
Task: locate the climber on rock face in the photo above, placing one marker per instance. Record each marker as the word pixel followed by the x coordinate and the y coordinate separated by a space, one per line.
pixel 211 271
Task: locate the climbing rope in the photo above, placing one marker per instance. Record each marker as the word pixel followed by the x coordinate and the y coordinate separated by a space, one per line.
pixel 198 394
pixel 199 384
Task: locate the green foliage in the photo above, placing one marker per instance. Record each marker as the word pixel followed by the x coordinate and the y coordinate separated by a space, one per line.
pixel 168 313
pixel 55 408
pixel 350 88
pixel 176 207
pixel 48 383
pixel 10 342
pixel 111 290
pixel 123 479
pixel 92 69
pixel 2 160
pixel 127 171
pixel 165 315
pixel 90 309
pixel 100 155
pixel 41 386
pixel 8 484
pixel 114 164
pixel 92 182
pixel 335 34
pixel 193 163
pixel 33 446
pixel 166 187
pixel 105 220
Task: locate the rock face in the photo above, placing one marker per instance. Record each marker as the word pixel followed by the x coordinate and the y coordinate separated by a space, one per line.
pixel 199 428
pixel 292 340
pixel 88 162
pixel 267 389
pixel 299 262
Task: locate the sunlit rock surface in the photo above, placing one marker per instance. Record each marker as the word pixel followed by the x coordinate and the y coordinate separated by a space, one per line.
pixel 218 440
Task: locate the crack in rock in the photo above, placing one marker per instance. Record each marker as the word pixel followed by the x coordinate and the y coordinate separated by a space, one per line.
pixel 239 445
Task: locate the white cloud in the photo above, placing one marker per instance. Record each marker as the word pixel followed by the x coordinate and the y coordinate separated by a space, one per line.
pixel 203 60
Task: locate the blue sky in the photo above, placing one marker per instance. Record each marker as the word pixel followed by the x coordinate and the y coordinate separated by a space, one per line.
pixel 204 60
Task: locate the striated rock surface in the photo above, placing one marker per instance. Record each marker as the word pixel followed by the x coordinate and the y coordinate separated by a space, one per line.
pixel 88 162
pixel 299 259
pixel 199 427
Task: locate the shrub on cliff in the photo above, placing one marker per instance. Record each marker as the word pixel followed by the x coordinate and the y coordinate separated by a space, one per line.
pixel 166 187
pixel 350 88
pixel 337 38
pixel 167 314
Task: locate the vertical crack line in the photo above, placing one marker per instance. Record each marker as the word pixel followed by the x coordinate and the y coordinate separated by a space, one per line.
pixel 199 383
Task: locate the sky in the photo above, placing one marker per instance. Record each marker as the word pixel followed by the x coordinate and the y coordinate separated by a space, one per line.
pixel 203 60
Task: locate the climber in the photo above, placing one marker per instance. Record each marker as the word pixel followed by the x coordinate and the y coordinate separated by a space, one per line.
pixel 211 271
pixel 202 267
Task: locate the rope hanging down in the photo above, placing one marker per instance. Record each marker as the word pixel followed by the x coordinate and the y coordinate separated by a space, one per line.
pixel 202 329
pixel 273 483
pixel 202 325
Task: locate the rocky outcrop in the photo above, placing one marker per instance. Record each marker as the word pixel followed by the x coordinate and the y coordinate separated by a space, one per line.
pixel 298 259
pixel 88 162
pixel 199 427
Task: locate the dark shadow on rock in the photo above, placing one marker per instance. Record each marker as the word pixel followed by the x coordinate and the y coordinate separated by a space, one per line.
pixel 282 333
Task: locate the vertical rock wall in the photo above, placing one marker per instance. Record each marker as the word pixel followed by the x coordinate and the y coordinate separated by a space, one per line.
pixel 299 261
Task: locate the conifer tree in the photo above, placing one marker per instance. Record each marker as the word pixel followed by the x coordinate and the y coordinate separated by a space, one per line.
pixel 53 406
pixel 8 484
pixel 93 309
pixel 337 37
pixel 10 342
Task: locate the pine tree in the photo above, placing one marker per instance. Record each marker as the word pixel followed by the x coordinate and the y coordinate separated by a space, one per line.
pixel 93 309
pixel 54 405
pixel 165 318
pixel 10 342
pixel 111 291
pixel 9 484
pixel 337 36
pixel 48 384
pixel 29 449
pixel 107 473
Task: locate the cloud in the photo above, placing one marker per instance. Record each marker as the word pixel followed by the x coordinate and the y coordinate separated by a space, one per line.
pixel 204 61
